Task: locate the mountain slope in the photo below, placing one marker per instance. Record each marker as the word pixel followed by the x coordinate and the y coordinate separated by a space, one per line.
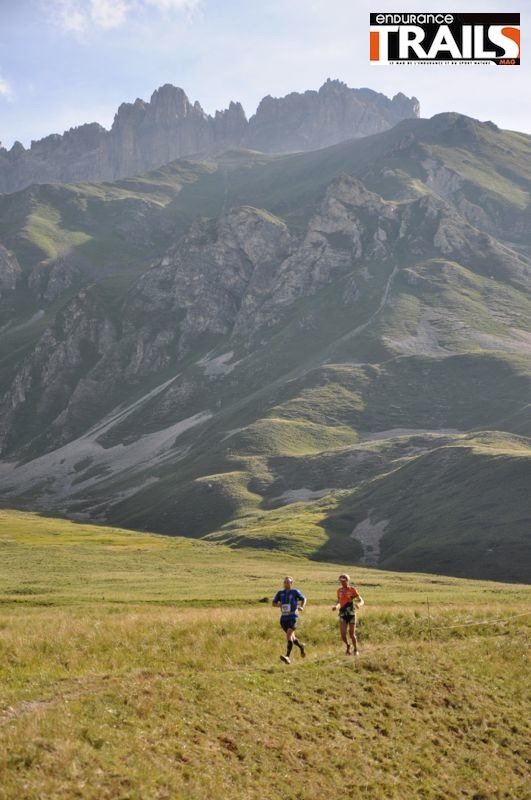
pixel 276 364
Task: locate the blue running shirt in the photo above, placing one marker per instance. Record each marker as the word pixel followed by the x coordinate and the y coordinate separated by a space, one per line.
pixel 288 599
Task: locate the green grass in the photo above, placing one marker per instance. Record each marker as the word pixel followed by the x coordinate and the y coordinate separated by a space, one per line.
pixel 45 231
pixel 136 666
pixel 93 222
pixel 295 530
pixel 322 404
pixel 274 436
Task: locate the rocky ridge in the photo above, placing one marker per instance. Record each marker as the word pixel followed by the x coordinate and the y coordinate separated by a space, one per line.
pixel 146 135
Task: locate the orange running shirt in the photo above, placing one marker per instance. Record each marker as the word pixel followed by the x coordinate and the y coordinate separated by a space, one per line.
pixel 346 595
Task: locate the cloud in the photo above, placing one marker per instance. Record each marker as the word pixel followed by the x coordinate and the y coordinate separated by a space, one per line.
pixel 72 16
pixel 173 5
pixel 5 89
pixel 81 16
pixel 108 13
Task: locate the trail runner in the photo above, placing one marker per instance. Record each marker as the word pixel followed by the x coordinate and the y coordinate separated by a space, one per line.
pixel 348 599
pixel 288 599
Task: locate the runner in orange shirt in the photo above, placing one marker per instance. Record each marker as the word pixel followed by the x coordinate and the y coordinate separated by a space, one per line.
pixel 348 599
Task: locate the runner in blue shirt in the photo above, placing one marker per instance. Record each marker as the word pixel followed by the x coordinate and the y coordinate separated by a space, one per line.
pixel 287 599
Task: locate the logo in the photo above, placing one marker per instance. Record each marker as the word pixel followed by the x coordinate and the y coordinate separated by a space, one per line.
pixel 399 38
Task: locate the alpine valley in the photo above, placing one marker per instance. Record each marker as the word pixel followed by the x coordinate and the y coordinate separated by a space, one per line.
pixel 323 350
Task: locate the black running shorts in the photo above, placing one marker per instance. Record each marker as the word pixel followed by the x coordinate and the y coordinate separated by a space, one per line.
pixel 347 614
pixel 288 621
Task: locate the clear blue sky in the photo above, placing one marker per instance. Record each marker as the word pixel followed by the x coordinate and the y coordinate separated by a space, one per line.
pixel 65 62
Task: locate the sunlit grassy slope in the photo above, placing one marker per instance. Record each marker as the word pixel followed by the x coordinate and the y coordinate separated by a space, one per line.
pixel 137 666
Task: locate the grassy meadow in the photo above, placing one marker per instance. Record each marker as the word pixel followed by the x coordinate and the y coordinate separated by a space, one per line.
pixel 136 666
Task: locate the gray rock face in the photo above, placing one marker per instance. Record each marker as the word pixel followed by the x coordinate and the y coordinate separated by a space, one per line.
pixel 242 272
pixel 49 281
pixel 48 378
pixel 145 136
pixel 325 117
pixel 9 271
pixel 214 277
pixel 340 235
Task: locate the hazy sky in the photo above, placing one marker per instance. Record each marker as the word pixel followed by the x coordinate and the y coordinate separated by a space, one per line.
pixel 65 62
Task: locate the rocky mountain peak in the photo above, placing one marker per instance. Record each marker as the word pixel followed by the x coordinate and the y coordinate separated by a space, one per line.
pixel 171 100
pixel 146 135
pixel 17 150
pixel 405 105
pixel 332 114
pixel 331 85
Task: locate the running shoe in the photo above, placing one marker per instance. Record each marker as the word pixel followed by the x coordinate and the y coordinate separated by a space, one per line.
pixel 302 648
pixel 285 659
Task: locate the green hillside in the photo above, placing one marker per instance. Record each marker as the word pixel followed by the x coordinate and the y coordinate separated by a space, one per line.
pixel 459 509
pixel 455 501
